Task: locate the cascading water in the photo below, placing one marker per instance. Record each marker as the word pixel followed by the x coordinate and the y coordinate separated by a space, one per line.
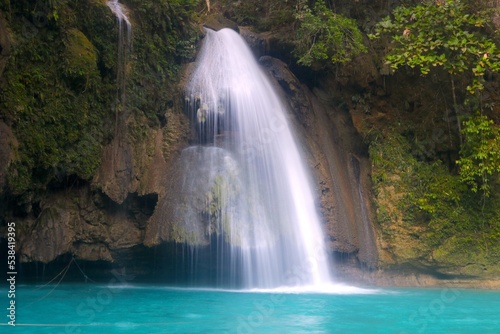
pixel 246 184
pixel 124 42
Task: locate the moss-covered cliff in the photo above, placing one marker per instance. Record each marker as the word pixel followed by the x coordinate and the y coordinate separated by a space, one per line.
pixel 59 83
pixel 86 132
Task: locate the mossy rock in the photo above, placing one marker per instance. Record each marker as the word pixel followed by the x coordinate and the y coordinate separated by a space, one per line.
pixel 80 57
pixel 469 256
pixel 217 22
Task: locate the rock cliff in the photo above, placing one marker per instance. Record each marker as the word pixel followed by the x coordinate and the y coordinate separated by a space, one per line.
pixel 116 214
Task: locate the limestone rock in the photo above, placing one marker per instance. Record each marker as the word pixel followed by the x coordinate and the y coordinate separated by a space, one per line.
pixel 90 226
pixel 137 166
pixel 295 93
pixel 92 252
pixel 51 235
pixel 258 43
pixel 116 174
pixel 338 158
pixel 218 21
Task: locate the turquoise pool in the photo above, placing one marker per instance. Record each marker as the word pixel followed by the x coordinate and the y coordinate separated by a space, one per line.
pixel 91 308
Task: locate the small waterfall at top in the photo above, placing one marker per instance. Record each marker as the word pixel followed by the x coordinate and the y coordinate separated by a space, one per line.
pixel 246 184
pixel 124 42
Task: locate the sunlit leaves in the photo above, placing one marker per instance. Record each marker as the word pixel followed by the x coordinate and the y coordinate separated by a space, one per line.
pixel 443 35
pixel 480 154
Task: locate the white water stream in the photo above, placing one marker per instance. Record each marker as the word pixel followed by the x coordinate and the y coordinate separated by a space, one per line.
pixel 124 42
pixel 246 183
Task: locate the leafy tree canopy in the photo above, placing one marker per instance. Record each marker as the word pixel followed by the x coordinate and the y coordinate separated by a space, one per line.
pixel 323 35
pixel 441 33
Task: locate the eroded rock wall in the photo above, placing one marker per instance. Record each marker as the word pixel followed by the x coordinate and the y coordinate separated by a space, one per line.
pixel 339 162
pixel 120 209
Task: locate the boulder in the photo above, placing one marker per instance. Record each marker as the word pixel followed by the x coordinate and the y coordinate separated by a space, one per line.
pixel 218 21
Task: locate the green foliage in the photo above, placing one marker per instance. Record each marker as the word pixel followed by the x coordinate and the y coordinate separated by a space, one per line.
pixel 317 35
pixel 80 58
pixel 324 35
pixel 265 15
pixel 55 96
pixel 441 34
pixel 455 210
pixel 59 86
pixel 480 154
pixel 164 37
pixel 245 12
pixel 429 195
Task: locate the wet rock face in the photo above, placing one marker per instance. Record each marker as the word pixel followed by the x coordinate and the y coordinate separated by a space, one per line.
pixel 125 165
pixel 88 225
pixel 218 21
pixel 295 92
pixel 51 235
pixel 191 214
pixel 257 43
pixel 116 175
pixel 140 165
pixel 339 161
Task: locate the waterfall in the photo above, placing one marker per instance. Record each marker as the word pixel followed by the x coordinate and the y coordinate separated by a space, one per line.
pixel 245 189
pixel 124 42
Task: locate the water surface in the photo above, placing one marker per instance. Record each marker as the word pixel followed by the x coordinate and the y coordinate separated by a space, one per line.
pixel 90 308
